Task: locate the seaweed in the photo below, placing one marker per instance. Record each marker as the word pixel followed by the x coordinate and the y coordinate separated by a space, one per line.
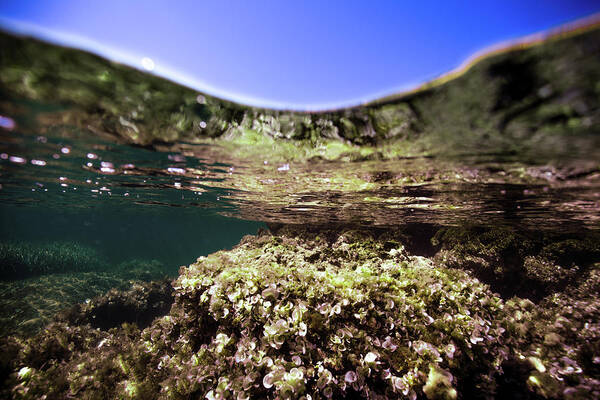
pixel 325 314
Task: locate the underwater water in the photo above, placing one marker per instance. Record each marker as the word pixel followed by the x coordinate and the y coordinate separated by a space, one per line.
pixel 107 203
pixel 440 246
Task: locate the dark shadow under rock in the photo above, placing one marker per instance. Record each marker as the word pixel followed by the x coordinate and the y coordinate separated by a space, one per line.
pixel 139 305
pixel 527 264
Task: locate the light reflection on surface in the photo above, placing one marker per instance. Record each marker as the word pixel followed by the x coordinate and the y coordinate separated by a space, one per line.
pixel 7 123
pixel 498 189
pixel 148 64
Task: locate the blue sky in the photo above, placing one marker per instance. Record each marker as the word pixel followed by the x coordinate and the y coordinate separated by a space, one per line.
pixel 283 54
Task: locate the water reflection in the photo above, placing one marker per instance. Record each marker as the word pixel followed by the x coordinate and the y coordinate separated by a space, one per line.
pixel 63 166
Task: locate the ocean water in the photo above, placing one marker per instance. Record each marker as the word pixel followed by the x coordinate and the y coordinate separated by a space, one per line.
pixel 89 211
pixel 71 195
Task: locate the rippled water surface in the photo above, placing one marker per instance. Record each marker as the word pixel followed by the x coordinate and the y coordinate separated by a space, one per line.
pixel 59 183
pixel 49 166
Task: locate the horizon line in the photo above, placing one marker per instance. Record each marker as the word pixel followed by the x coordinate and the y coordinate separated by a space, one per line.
pixel 163 70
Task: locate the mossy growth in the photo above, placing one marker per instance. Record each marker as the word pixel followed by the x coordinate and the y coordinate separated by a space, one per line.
pixel 358 322
pixel 557 343
pixel 104 327
pixel 542 99
pixel 27 305
pixel 138 305
pixel 289 316
pixel 314 314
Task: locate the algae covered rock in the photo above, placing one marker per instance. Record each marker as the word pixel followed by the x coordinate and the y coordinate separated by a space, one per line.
pixel 297 315
pixel 138 305
pixel 308 313
pixel 27 305
pixel 263 321
pixel 557 343
pixel 95 337
pixel 527 264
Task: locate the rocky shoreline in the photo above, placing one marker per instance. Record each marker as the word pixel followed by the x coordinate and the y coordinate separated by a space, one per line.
pixel 519 101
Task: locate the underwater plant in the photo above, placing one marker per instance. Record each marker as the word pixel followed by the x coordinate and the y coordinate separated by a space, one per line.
pixel 22 260
pixel 317 314
pixel 525 264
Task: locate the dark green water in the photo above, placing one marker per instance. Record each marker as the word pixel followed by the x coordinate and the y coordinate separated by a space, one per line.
pixel 63 184
pixel 80 215
pixel 173 236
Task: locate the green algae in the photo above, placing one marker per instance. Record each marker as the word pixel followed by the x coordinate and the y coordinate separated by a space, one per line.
pixel 557 342
pixel 325 314
pixel 530 264
pixel 540 98
pixel 139 302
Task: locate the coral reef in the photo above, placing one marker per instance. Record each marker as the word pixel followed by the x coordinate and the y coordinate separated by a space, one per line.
pixel 314 313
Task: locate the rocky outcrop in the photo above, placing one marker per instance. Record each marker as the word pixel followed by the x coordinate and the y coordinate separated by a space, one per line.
pixel 314 313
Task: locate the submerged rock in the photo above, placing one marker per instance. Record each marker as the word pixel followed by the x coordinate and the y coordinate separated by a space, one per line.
pixel 557 344
pixel 530 264
pixel 138 305
pixel 320 314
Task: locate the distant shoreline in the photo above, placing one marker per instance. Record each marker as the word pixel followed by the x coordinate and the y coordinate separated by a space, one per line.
pixel 562 32
pixel 132 60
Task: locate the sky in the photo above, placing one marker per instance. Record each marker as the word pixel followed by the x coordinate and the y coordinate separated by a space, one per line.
pixel 305 55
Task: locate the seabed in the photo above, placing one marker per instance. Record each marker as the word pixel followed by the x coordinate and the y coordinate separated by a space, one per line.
pixel 443 244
